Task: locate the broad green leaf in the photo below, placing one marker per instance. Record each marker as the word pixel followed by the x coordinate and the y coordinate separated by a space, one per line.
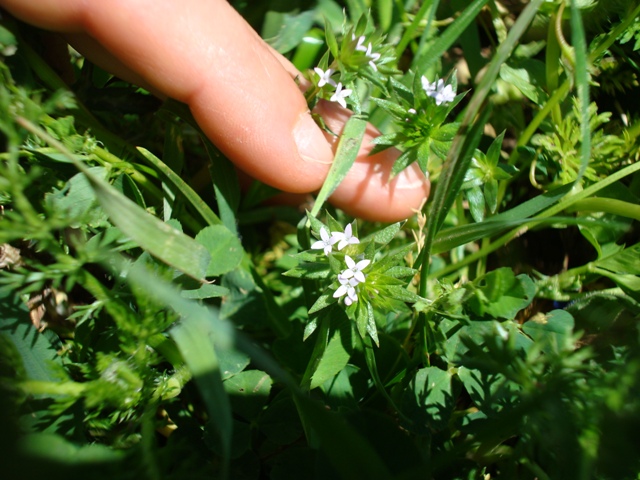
pixel 308 50
pixel 400 293
pixel 519 78
pixel 37 351
pixel 489 392
pixel 551 331
pixel 627 261
pixel 501 294
pixel 348 148
pixel 430 399
pixel 350 453
pixel 78 200
pixel 323 301
pixel 387 234
pixel 280 422
pixel 310 270
pixel 475 197
pixel 335 355
pixel 342 390
pixel 248 392
pixel 224 247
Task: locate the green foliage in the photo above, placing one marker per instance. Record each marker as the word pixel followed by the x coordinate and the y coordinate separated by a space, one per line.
pixel 153 327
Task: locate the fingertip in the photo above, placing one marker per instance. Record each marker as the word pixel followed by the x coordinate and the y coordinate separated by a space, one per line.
pixel 368 193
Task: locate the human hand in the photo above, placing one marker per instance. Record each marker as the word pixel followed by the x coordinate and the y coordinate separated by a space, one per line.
pixel 240 91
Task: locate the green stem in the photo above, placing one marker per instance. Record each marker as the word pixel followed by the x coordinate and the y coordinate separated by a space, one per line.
pixel 409 33
pixel 607 205
pixel 134 173
pixel 563 204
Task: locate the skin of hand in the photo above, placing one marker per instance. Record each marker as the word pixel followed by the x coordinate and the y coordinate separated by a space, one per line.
pixel 241 92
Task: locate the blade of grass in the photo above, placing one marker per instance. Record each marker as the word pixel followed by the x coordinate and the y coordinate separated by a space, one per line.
pixel 409 33
pixel 194 199
pixel 455 236
pixel 158 238
pixel 564 204
pixel 582 87
pixel 351 454
pixel 348 148
pixel 453 171
pixel 174 159
pixel 193 336
pixel 225 185
pixel 449 36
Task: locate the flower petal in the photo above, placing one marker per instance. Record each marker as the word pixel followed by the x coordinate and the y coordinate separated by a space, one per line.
pixel 342 289
pixel 362 264
pixel 359 276
pixel 349 261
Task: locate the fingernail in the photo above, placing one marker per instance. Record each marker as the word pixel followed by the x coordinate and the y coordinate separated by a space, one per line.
pixel 311 143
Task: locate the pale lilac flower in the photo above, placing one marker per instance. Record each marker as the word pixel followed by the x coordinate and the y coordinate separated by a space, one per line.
pixel 428 87
pixel 325 77
pixel 345 238
pixel 349 279
pixel 438 90
pixel 354 270
pixel 347 287
pixel 340 95
pixel 373 56
pixel 326 242
pixel 445 95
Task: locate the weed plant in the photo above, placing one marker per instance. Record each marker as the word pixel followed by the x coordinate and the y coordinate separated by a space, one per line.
pixel 149 328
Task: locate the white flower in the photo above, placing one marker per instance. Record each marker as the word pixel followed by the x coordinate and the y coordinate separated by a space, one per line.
pixel 340 95
pixel 345 238
pixel 438 90
pixel 429 88
pixel 347 287
pixel 326 242
pixel 444 95
pixel 349 280
pixel 373 56
pixel 354 270
pixel 325 77
pixel 360 45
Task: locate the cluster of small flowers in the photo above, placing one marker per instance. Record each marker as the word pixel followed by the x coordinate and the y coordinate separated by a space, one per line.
pixel 342 93
pixel 438 90
pixel 351 276
pixel 372 56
